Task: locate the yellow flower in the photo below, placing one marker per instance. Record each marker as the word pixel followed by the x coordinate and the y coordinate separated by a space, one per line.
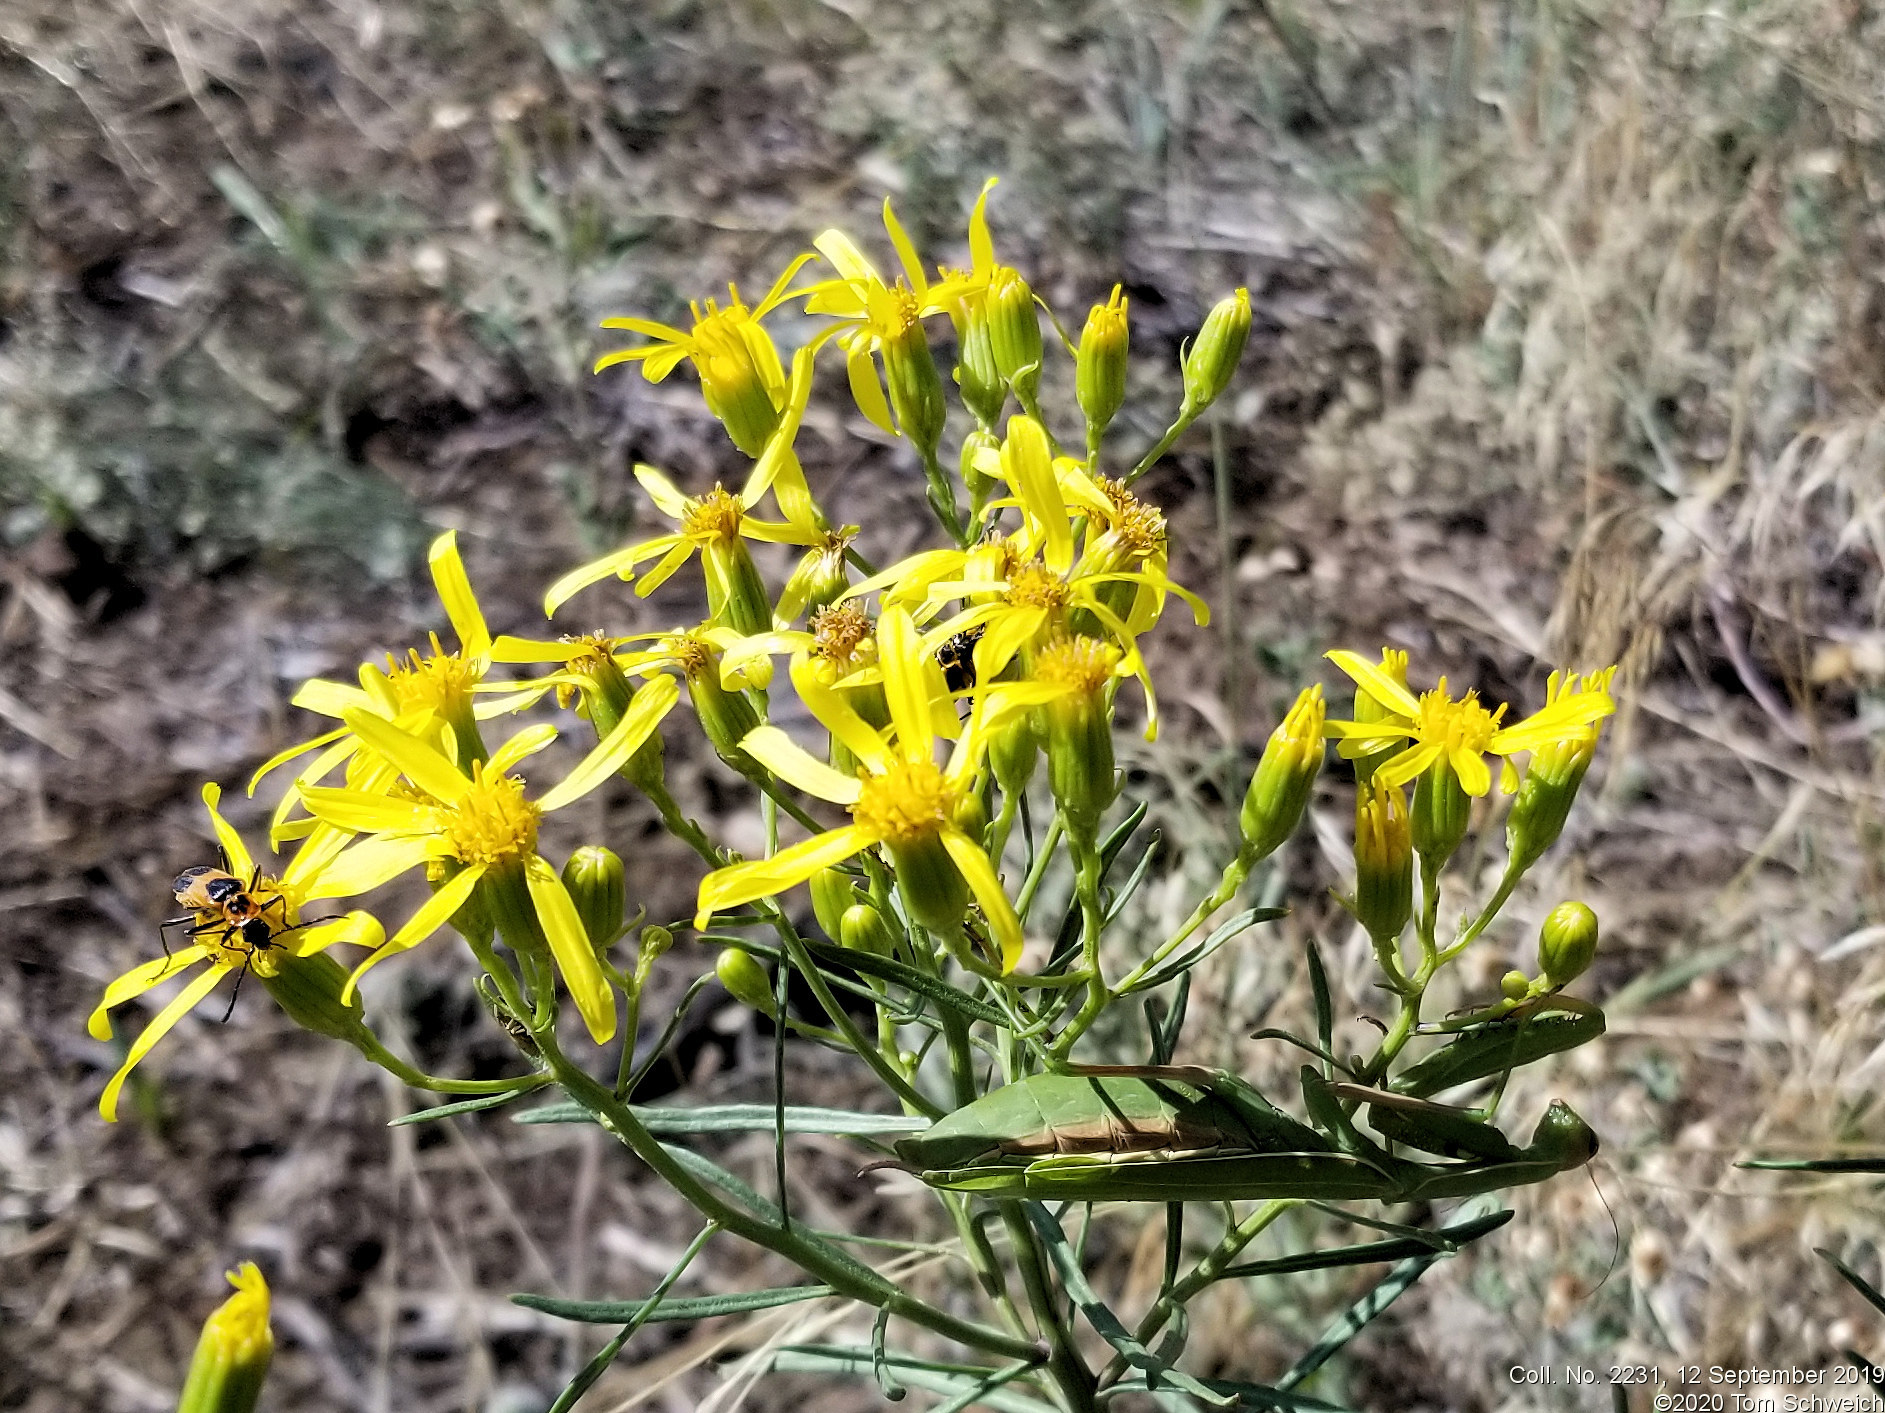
pixel 315 872
pixel 480 818
pixel 741 377
pixel 429 693
pixel 233 1352
pixel 1459 731
pixel 899 797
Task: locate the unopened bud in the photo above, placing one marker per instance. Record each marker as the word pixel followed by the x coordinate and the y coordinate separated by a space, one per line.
pixel 654 944
pixel 1012 754
pixel 597 885
pixel 863 929
pixel 1014 327
pixel 1279 789
pixel 979 447
pixel 820 578
pixel 1567 942
pixel 1213 356
pixel 1384 862
pixel 970 815
pixel 1368 711
pixel 977 375
pixel 1515 986
pixel 833 891
pixel 1551 781
pixel 232 1353
pixel 916 391
pixel 746 980
pixel 1099 370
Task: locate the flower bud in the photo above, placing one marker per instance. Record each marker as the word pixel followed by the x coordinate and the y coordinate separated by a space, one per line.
pixel 983 391
pixel 1515 986
pixel 1213 356
pixel 1099 370
pixel 863 929
pixel 654 944
pixel 934 892
pixel 980 446
pixel 1442 811
pixel 832 892
pixel 1552 779
pixel 232 1353
pixel 740 376
pixel 916 391
pixel 820 578
pixel 1279 788
pixel 970 815
pixel 1012 754
pixel 598 887
pixel 746 980
pixel 309 990
pixel 1079 728
pixel 1368 711
pixel 1014 327
pixel 1384 862
pixel 1567 942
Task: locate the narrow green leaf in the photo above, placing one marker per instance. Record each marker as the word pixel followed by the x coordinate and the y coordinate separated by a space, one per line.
pixel 1133 881
pixel 1321 1053
pixel 1319 988
pixel 693 1307
pixel 1100 1316
pixel 736 1118
pixel 889 969
pixel 981 1387
pixel 1856 1164
pixel 668 1032
pixel 1448 1240
pixel 1854 1279
pixel 1248 918
pixel 1244 1395
pixel 1115 843
pixel 463 1106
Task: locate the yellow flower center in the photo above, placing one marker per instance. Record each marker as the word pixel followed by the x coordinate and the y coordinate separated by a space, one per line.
pixel 442 681
pixel 1462 724
pixel 839 631
pixel 1035 586
pixel 714 516
pixel 225 941
pixel 908 802
pixel 893 311
pixel 589 651
pixel 493 823
pixel 1140 527
pixel 1083 664
pixel 694 656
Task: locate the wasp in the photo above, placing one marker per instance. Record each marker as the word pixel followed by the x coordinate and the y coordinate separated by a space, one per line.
pixel 956 657
pixel 220 903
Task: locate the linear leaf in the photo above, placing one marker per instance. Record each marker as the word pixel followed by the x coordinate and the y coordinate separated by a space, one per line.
pixel 1244 1395
pixel 1248 918
pixel 1451 1238
pixel 1105 1323
pixel 953 1380
pixel 1855 1164
pixel 921 982
pixel 1133 881
pixel 693 1307
pixel 736 1118
pixel 463 1106
pixel 1319 988
pixel 1854 1279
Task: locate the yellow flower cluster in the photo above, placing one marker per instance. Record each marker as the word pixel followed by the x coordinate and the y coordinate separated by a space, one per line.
pixel 932 685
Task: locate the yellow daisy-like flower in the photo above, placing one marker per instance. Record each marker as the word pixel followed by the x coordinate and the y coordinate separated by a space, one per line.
pixel 480 817
pixel 741 377
pixel 1459 731
pixel 317 871
pixel 899 797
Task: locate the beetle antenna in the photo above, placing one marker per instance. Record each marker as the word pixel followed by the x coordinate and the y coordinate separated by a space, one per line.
pixel 1616 1232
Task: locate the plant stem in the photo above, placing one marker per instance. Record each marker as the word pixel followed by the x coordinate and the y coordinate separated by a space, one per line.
pixel 1086 878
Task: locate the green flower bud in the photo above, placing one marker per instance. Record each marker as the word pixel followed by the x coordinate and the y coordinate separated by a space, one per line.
pixel 1014 326
pixel 820 578
pixel 1552 779
pixel 309 990
pixel 1368 711
pixel 979 446
pixel 232 1353
pixel 935 894
pixel 725 717
pixel 736 595
pixel 1515 986
pixel 1099 370
pixel 833 891
pixel 1279 788
pixel 1442 812
pixel 1384 862
pixel 970 815
pixel 1567 942
pixel 1079 728
pixel 1213 356
pixel 739 372
pixel 597 885
pixel 655 942
pixel 916 391
pixel 746 980
pixel 983 391
pixel 1012 754
pixel 863 929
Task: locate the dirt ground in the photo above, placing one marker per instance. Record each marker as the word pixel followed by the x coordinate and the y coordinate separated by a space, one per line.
pixel 1570 349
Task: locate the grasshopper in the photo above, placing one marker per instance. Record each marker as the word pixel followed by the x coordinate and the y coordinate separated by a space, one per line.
pixel 1184 1134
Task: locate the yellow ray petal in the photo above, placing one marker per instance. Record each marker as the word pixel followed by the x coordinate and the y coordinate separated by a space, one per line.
pixel 729 887
pixel 282 757
pixel 581 577
pixel 367 813
pixel 418 761
pixel 434 914
pixel 159 1027
pixel 361 929
pixel 986 887
pixel 137 981
pixel 326 698
pixel 520 747
pixel 645 712
pixel 234 849
pixel 981 247
pixel 845 257
pixel 906 252
pixel 570 945
pixel 1376 683
pixel 454 590
pixel 1407 766
pixel 663 492
pixel 783 756
pixel 676 556
pixel 369 864
pixel 836 714
pixel 900 654
pixel 1470 766
pixel 866 390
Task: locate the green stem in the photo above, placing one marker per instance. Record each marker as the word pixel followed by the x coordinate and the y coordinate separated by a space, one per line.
pixel 844 1275
pixel 1162 445
pixel 1235 872
pixel 418 1079
pixel 1486 914
pixel 1049 846
pixel 1087 869
pixel 1068 1370
pixel 942 497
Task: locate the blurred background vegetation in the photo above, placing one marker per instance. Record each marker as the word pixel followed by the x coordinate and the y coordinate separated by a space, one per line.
pixel 1570 348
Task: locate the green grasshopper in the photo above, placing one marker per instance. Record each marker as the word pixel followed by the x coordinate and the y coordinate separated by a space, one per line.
pixel 1183 1134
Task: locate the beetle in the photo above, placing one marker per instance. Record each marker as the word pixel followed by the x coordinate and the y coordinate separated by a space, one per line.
pixel 956 657
pixel 1178 1133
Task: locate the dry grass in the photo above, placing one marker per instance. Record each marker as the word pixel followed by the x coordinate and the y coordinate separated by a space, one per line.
pixel 1570 349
